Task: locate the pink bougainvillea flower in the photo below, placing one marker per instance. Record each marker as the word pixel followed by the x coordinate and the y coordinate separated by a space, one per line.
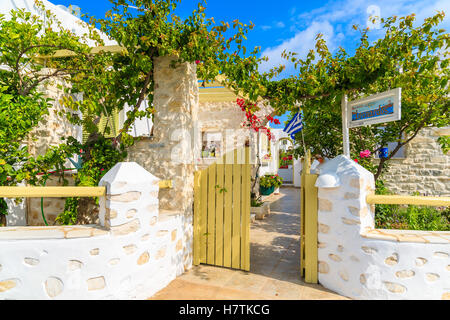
pixel 197 61
pixel 364 154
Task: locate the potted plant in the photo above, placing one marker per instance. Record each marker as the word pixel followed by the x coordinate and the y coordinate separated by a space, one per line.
pixel 259 208
pixel 268 183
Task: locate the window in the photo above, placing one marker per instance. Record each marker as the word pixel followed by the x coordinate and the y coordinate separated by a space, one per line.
pixel 391 146
pixel 211 144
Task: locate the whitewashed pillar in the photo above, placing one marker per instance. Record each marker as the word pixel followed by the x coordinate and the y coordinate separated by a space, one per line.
pixel 131 201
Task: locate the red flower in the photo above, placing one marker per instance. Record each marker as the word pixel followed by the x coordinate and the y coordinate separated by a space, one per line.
pixel 364 154
pixel 356 160
pixel 197 61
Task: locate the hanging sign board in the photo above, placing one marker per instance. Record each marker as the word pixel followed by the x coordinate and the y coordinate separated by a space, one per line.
pixel 378 108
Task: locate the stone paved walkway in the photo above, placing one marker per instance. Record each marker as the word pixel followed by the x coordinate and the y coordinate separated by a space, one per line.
pixel 274 264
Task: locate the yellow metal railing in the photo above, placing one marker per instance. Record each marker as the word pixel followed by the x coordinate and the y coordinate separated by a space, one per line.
pixel 408 200
pixel 61 192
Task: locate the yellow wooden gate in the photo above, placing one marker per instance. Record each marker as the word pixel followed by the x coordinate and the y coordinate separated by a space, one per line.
pixel 308 223
pixel 222 212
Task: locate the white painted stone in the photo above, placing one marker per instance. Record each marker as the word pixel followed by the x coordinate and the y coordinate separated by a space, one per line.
pixel 372 268
pixel 93 266
pixel 81 275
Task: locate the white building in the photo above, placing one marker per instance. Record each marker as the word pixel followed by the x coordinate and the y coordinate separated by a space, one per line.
pixel 269 155
pixel 69 17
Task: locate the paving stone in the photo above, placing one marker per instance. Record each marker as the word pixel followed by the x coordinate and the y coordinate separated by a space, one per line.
pixel 274 264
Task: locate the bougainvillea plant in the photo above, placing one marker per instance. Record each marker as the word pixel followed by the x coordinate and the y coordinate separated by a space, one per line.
pixel 254 122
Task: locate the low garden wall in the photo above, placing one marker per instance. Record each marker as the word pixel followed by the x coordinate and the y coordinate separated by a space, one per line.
pixel 133 252
pixel 361 262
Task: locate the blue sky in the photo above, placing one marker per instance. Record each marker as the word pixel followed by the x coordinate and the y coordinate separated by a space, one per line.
pixel 293 25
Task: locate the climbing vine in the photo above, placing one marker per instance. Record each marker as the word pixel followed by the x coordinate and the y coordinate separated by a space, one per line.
pixel 108 81
pixel 412 56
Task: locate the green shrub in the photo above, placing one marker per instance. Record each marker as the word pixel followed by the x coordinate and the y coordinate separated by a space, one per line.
pixel 409 217
pixel 256 202
pixel 269 180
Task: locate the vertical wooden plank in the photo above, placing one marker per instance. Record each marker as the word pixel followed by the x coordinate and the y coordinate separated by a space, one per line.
pixel 236 224
pixel 203 214
pixel 227 215
pixel 302 224
pixel 311 230
pixel 245 224
pixel 219 213
pixel 210 255
pixel 307 166
pixel 197 215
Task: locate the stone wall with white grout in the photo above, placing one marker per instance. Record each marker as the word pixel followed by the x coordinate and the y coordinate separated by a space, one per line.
pixel 425 168
pixel 133 253
pixel 361 262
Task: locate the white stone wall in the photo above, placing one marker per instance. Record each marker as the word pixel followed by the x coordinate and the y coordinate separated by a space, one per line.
pixel 134 252
pixel 361 262
pixel 425 168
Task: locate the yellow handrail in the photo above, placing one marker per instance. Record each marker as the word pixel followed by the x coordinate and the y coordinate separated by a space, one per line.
pixel 51 192
pixel 412 200
pixel 61 192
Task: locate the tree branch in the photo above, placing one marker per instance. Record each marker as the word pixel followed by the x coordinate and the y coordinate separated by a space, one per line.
pixel 401 144
pixel 144 89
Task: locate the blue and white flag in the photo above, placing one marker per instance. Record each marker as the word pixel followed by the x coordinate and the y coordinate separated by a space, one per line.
pixel 294 126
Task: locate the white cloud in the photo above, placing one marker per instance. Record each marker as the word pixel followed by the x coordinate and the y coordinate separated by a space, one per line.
pixel 335 20
pixel 301 43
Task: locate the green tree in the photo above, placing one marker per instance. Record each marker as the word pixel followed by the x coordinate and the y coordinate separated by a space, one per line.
pixel 415 58
pixel 24 40
pixel 108 80
pixel 146 30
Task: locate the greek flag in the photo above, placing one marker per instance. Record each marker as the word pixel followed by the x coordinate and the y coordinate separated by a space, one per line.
pixel 294 126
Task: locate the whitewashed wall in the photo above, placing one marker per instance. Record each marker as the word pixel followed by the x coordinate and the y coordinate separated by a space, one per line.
pixel 297 172
pixel 361 262
pixel 134 252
